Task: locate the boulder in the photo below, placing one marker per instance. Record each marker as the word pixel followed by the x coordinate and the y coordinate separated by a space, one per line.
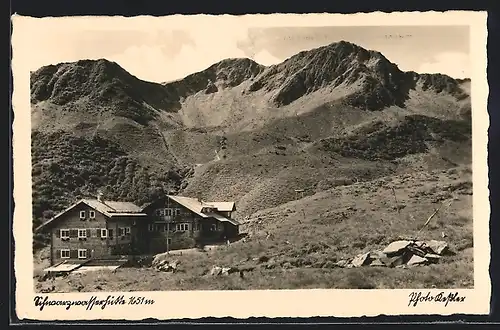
pixel 397 260
pixel 174 264
pixel 396 247
pixel 416 260
pixel 416 250
pixel 377 255
pixel 420 244
pixel 216 271
pixel 160 258
pixel 438 247
pixel 225 270
pixel 360 260
pixel 160 263
pixel 377 263
pixel 432 257
pixel 342 263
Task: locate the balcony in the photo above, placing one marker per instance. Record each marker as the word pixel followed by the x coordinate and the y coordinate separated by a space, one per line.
pixel 172 218
pixel 163 218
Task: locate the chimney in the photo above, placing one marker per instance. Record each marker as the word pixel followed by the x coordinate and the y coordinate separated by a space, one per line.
pixel 99 196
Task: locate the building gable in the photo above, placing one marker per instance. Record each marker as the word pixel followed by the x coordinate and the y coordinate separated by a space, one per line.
pixel 80 215
pixel 193 205
pixel 96 206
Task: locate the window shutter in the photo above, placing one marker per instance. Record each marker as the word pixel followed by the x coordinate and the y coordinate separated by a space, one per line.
pixel 89 233
pixel 58 233
pixel 89 253
pixel 110 233
pixel 73 254
pixel 73 233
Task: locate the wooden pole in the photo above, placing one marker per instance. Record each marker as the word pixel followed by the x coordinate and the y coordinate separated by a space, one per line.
pixel 395 198
pixel 167 226
pixel 430 218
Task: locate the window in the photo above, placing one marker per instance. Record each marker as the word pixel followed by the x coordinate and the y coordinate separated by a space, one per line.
pixel 110 233
pixel 151 227
pixel 64 234
pixel 65 254
pixel 213 227
pixel 177 211
pixel 160 212
pixel 82 215
pixel 82 233
pixel 198 226
pixel 159 227
pixel 168 212
pixel 182 227
pixel 104 232
pixel 82 254
pixel 123 231
pixel 92 214
pixel 169 241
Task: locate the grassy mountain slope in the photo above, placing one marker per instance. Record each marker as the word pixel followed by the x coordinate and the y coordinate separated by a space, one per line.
pixel 301 241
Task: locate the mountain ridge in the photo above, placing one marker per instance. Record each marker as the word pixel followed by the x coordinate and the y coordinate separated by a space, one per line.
pixel 367 78
pixel 257 131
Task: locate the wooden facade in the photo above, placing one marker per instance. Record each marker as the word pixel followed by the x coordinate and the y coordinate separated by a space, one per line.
pixel 86 233
pixel 171 225
pixel 91 229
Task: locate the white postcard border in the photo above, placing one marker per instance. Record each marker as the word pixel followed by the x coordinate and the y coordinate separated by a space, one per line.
pixel 254 303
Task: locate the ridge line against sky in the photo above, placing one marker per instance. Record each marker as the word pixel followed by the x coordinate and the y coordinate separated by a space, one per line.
pixel 159 53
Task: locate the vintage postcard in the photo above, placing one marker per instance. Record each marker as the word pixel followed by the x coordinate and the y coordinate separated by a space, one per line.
pixel 250 166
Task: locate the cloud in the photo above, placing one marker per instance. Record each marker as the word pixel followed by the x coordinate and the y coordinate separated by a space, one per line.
pixel 206 47
pixel 157 54
pixel 145 62
pixel 454 64
pixel 266 58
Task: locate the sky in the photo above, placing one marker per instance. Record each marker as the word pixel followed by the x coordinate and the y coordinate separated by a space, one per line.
pixel 161 53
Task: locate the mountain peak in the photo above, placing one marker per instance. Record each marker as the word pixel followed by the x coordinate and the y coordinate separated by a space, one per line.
pixel 98 86
pixel 367 77
pixel 227 73
pixel 63 82
pixel 339 63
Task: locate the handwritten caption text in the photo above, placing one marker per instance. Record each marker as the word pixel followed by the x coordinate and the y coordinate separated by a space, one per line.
pixel 43 301
pixel 442 297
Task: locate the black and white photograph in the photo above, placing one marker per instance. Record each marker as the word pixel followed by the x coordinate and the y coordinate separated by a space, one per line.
pixel 207 155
